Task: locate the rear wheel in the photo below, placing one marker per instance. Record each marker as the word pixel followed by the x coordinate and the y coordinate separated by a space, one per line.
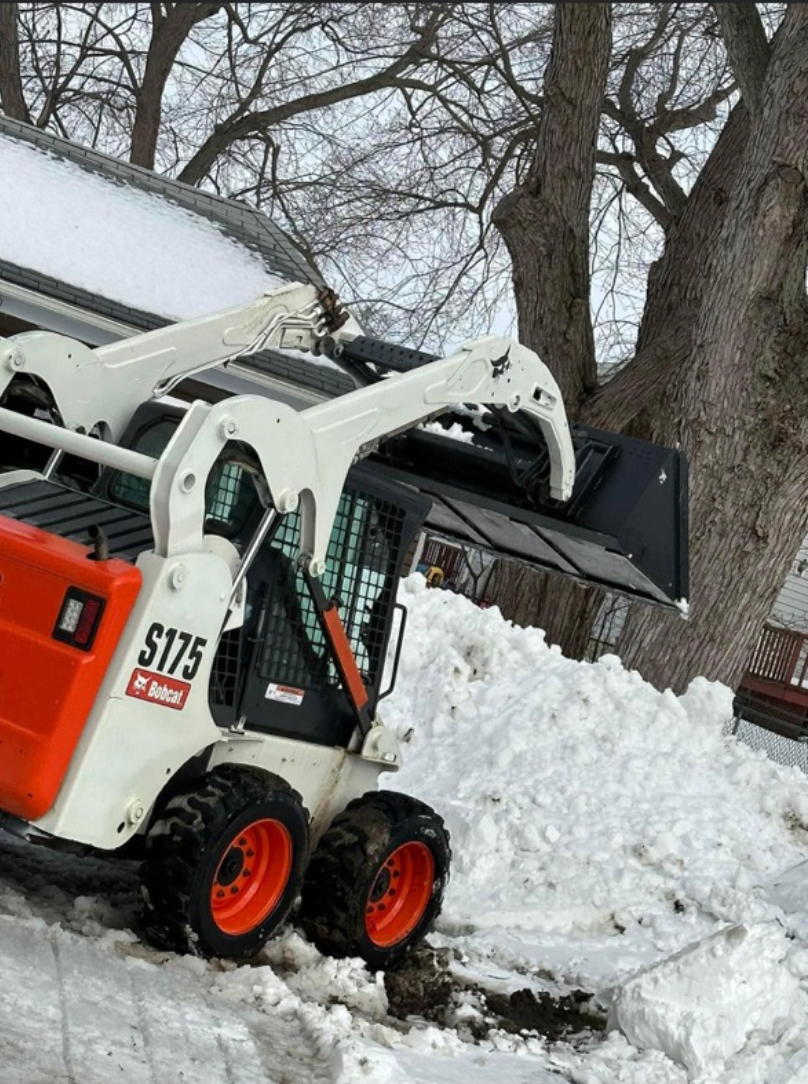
pixel 376 881
pixel 224 863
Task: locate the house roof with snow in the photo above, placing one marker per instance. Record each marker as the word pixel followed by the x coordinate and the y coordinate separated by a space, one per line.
pixel 97 248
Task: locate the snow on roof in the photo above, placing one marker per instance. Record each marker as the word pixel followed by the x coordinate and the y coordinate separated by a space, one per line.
pixel 120 242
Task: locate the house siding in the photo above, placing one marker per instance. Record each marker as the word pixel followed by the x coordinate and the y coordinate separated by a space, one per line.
pixel 791 606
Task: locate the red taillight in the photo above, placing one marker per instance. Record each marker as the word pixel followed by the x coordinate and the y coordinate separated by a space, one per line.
pixel 79 618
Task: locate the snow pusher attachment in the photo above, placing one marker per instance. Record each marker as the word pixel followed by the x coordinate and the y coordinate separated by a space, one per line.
pixel 624 528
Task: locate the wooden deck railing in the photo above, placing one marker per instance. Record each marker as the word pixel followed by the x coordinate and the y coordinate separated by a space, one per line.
pixel 773 693
pixel 779 657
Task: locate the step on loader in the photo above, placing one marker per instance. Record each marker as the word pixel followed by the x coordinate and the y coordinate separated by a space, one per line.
pixel 197 602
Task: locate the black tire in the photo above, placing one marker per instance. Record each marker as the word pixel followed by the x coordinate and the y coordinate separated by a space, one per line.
pixel 224 863
pixel 352 903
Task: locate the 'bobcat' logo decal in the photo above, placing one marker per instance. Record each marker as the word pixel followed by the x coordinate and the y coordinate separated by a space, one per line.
pixel 158 689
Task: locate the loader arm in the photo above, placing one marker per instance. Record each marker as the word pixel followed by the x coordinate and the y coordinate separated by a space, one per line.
pixel 305 456
pixel 102 387
pixel 624 528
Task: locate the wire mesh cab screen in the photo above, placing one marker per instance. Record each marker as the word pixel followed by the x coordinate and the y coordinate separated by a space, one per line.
pixel 362 560
pixel 281 641
pixel 275 673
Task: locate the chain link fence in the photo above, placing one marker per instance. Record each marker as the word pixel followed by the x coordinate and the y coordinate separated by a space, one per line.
pixel 791 752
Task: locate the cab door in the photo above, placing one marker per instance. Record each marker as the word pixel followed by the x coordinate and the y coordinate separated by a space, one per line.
pixel 291 684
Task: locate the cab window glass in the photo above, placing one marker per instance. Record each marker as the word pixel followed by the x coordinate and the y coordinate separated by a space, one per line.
pixel 230 494
pixel 133 491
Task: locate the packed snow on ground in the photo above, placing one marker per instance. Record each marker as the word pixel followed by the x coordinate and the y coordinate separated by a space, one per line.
pixel 607 838
pixel 127 245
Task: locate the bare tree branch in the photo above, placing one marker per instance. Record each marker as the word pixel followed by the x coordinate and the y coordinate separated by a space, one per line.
pixel 626 166
pixel 549 214
pixel 239 126
pixel 169 33
pixel 12 98
pixel 747 47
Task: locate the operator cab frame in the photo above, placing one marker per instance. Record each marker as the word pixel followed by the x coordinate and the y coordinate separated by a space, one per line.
pixel 277 673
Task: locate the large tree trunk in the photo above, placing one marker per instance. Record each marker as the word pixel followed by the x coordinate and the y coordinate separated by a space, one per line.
pixel 637 399
pixel 521 593
pixel 717 369
pixel 545 221
pixel 677 282
pixel 545 225
pixel 170 31
pixel 12 98
pixel 740 403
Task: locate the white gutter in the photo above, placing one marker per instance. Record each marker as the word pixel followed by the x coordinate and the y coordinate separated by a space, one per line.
pixel 51 314
pixel 64 318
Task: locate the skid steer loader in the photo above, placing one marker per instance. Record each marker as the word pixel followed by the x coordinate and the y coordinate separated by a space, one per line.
pixel 197 601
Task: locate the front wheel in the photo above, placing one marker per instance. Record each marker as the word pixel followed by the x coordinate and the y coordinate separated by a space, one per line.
pixel 376 881
pixel 224 863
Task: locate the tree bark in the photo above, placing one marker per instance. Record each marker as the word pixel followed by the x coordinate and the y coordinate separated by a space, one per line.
pixel 545 221
pixel 545 226
pixel 716 368
pixel 634 399
pixel 747 48
pixel 568 609
pixel 12 98
pixel 740 404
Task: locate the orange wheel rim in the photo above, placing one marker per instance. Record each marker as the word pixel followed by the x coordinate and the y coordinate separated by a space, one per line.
pixel 251 877
pixel 400 894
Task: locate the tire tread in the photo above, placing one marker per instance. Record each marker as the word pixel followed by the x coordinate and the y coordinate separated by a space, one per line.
pixel 177 842
pixel 331 908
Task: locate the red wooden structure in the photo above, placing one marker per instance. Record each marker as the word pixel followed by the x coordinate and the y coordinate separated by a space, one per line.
pixel 773 692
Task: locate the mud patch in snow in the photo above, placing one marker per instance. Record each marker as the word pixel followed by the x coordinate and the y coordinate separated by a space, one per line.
pixel 426 986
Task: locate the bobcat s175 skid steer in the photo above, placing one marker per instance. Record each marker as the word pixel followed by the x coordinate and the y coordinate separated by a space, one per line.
pixel 197 600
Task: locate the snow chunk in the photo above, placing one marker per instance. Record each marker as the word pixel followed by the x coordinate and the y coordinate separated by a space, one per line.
pixel 118 241
pixel 453 432
pixel 701 1006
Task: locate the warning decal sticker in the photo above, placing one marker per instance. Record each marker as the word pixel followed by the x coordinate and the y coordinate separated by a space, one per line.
pixel 285 694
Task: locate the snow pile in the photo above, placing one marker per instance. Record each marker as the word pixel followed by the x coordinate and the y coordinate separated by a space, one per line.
pixel 702 1006
pixel 600 826
pixel 582 802
pixel 122 243
pixel 455 431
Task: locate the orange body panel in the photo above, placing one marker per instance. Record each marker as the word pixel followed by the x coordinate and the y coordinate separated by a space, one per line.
pixel 47 687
